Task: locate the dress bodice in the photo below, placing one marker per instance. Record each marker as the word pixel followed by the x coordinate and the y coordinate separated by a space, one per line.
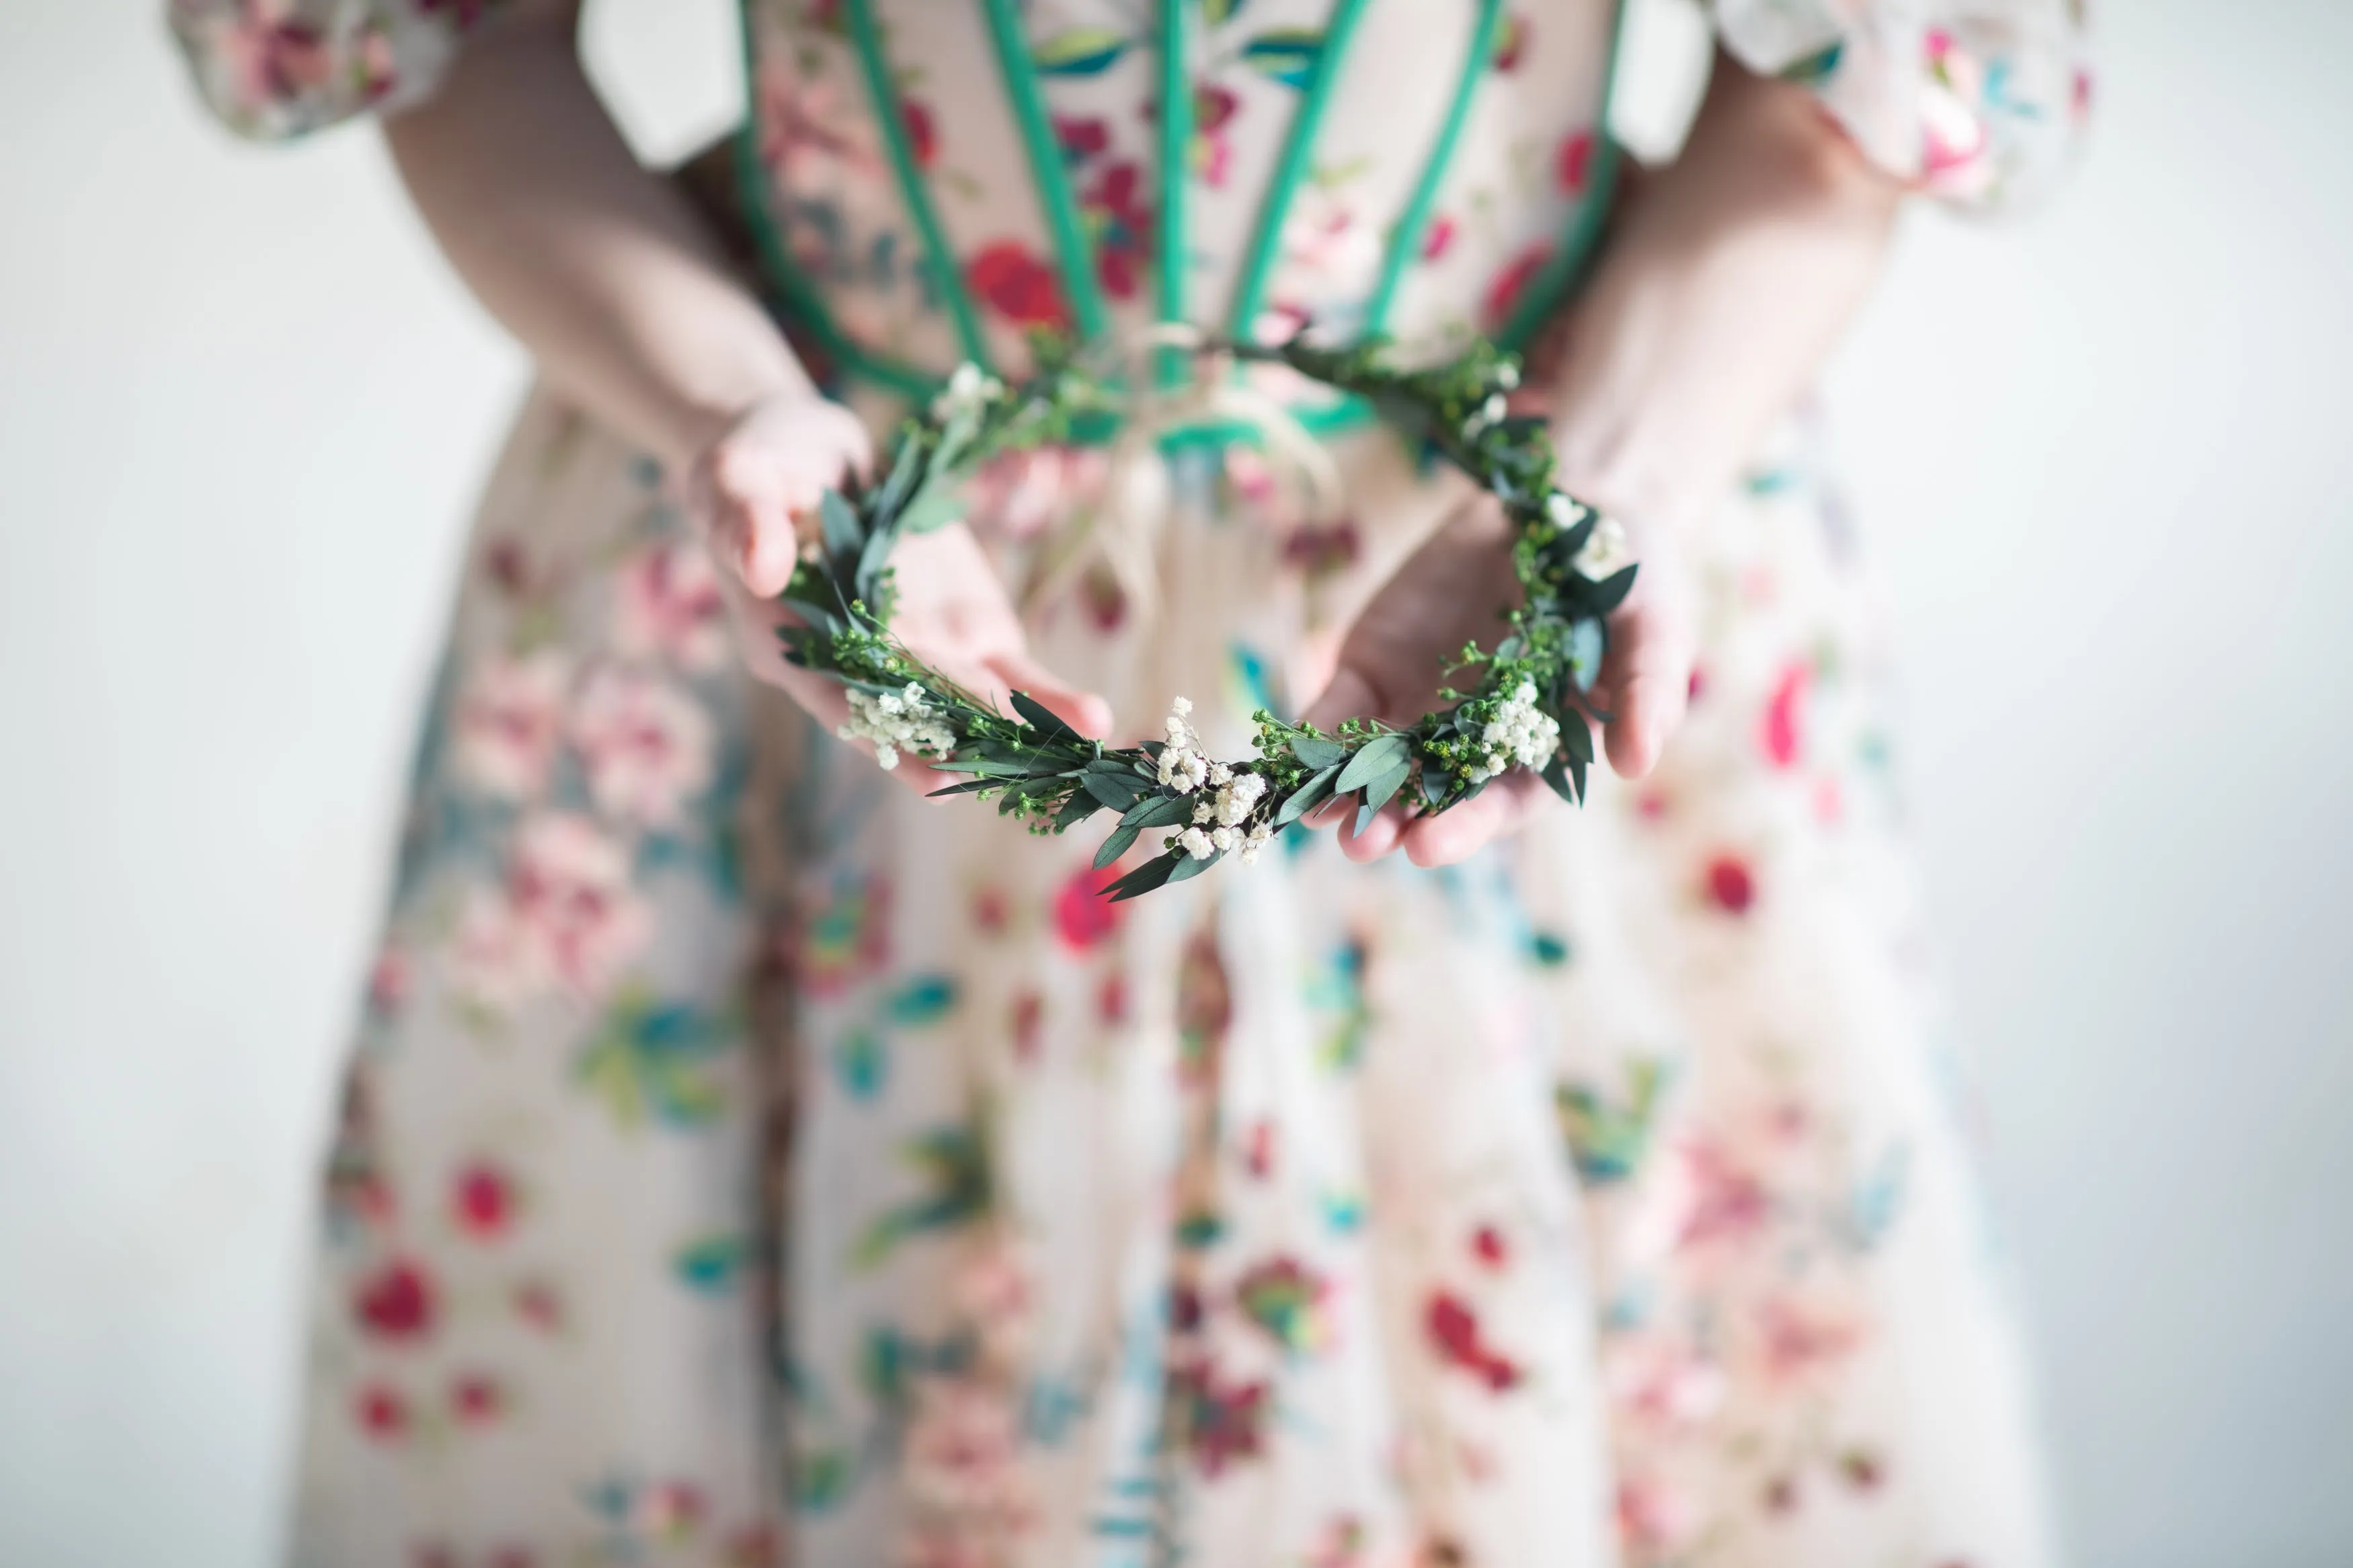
pixel 944 179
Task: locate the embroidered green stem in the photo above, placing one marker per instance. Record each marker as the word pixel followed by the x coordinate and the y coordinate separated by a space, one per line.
pixel 1406 238
pixel 1566 271
pixel 1176 171
pixel 1298 147
pixel 891 113
pixel 1053 180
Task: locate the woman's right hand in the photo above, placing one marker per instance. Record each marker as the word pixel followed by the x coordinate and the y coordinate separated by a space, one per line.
pixel 754 494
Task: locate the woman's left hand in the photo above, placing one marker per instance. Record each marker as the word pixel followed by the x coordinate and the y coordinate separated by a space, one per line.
pixel 1451 591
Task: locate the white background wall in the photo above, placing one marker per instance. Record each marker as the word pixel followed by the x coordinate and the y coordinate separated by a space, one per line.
pixel 2106 455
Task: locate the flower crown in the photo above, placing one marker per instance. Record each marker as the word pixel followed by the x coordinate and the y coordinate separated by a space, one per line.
pixel 1527 709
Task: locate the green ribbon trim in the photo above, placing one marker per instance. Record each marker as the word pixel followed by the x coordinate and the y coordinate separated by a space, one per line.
pixel 891 110
pixel 1176 173
pixel 1054 181
pixel 1297 147
pixel 1581 238
pixel 1406 238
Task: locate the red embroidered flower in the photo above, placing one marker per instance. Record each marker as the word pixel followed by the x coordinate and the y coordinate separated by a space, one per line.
pixel 1454 1329
pixel 381 1412
pixel 1258 1153
pixel 476 1398
pixel 1573 166
pixel 1783 732
pixel 922 134
pixel 396 1302
pixel 1082 916
pixel 482 1200
pixel 1111 1001
pixel 1440 236
pixel 1731 884
pixel 1503 293
pixel 1016 285
pixel 1080 139
pixel 1487 1244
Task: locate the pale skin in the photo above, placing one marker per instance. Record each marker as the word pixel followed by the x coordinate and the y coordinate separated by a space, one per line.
pixel 1727 279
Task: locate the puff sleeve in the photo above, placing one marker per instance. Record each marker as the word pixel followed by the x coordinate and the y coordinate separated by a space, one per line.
pixel 277 68
pixel 1978 102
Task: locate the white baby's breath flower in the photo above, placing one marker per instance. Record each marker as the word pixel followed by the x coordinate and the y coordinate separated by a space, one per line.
pixel 1238 796
pixel 1507 376
pixel 897 721
pixel 1196 843
pixel 1183 768
pixel 1562 509
pixel 1255 841
pixel 968 389
pixel 1517 732
pixel 1606 550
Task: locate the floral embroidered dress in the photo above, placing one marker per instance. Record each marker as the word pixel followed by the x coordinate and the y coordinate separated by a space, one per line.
pixel 742 1163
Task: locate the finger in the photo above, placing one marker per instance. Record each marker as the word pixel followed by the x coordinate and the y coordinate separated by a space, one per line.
pixel 1462 831
pixel 1084 712
pixel 1353 692
pixel 1380 835
pixel 770 548
pixel 1644 687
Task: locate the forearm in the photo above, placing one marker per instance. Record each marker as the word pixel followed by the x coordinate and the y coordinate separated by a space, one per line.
pixel 599 267
pixel 1727 281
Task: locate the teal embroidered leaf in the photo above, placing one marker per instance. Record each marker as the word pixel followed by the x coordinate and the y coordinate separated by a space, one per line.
pixel 1218 12
pixel 1078 51
pixel 1815 67
pixel 1288 54
pixel 925 999
pixel 711 1263
pixel 861 1062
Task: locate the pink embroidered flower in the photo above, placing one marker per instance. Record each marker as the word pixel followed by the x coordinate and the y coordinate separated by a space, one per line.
pixel 506 723
pixel 1794 1339
pixel 667 606
pixel 566 916
pixel 1438 238
pixel 962 1455
pixel 1652 1517
pixel 812 133
pixel 1663 1380
pixel 1082 916
pixel 1783 731
pixel 1720 1201
pixel 482 1201
pixel 1019 495
pixel 647 746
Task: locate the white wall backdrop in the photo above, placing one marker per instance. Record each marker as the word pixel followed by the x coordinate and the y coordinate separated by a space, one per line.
pixel 2106 455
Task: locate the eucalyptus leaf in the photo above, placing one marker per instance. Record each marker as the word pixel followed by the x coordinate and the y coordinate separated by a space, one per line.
pixel 1316 752
pixel 1383 789
pixel 1373 759
pixel 840 524
pixel 1577 735
pixel 1112 848
pixel 936 505
pixel 1306 797
pixel 1586 644
pixel 1189 867
pixel 1611 592
pixel 1555 774
pixel 1160 811
pixel 1111 789
pixel 1144 878
pixel 1042 719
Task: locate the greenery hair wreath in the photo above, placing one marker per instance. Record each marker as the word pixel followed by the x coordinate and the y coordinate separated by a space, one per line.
pixel 1528 707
